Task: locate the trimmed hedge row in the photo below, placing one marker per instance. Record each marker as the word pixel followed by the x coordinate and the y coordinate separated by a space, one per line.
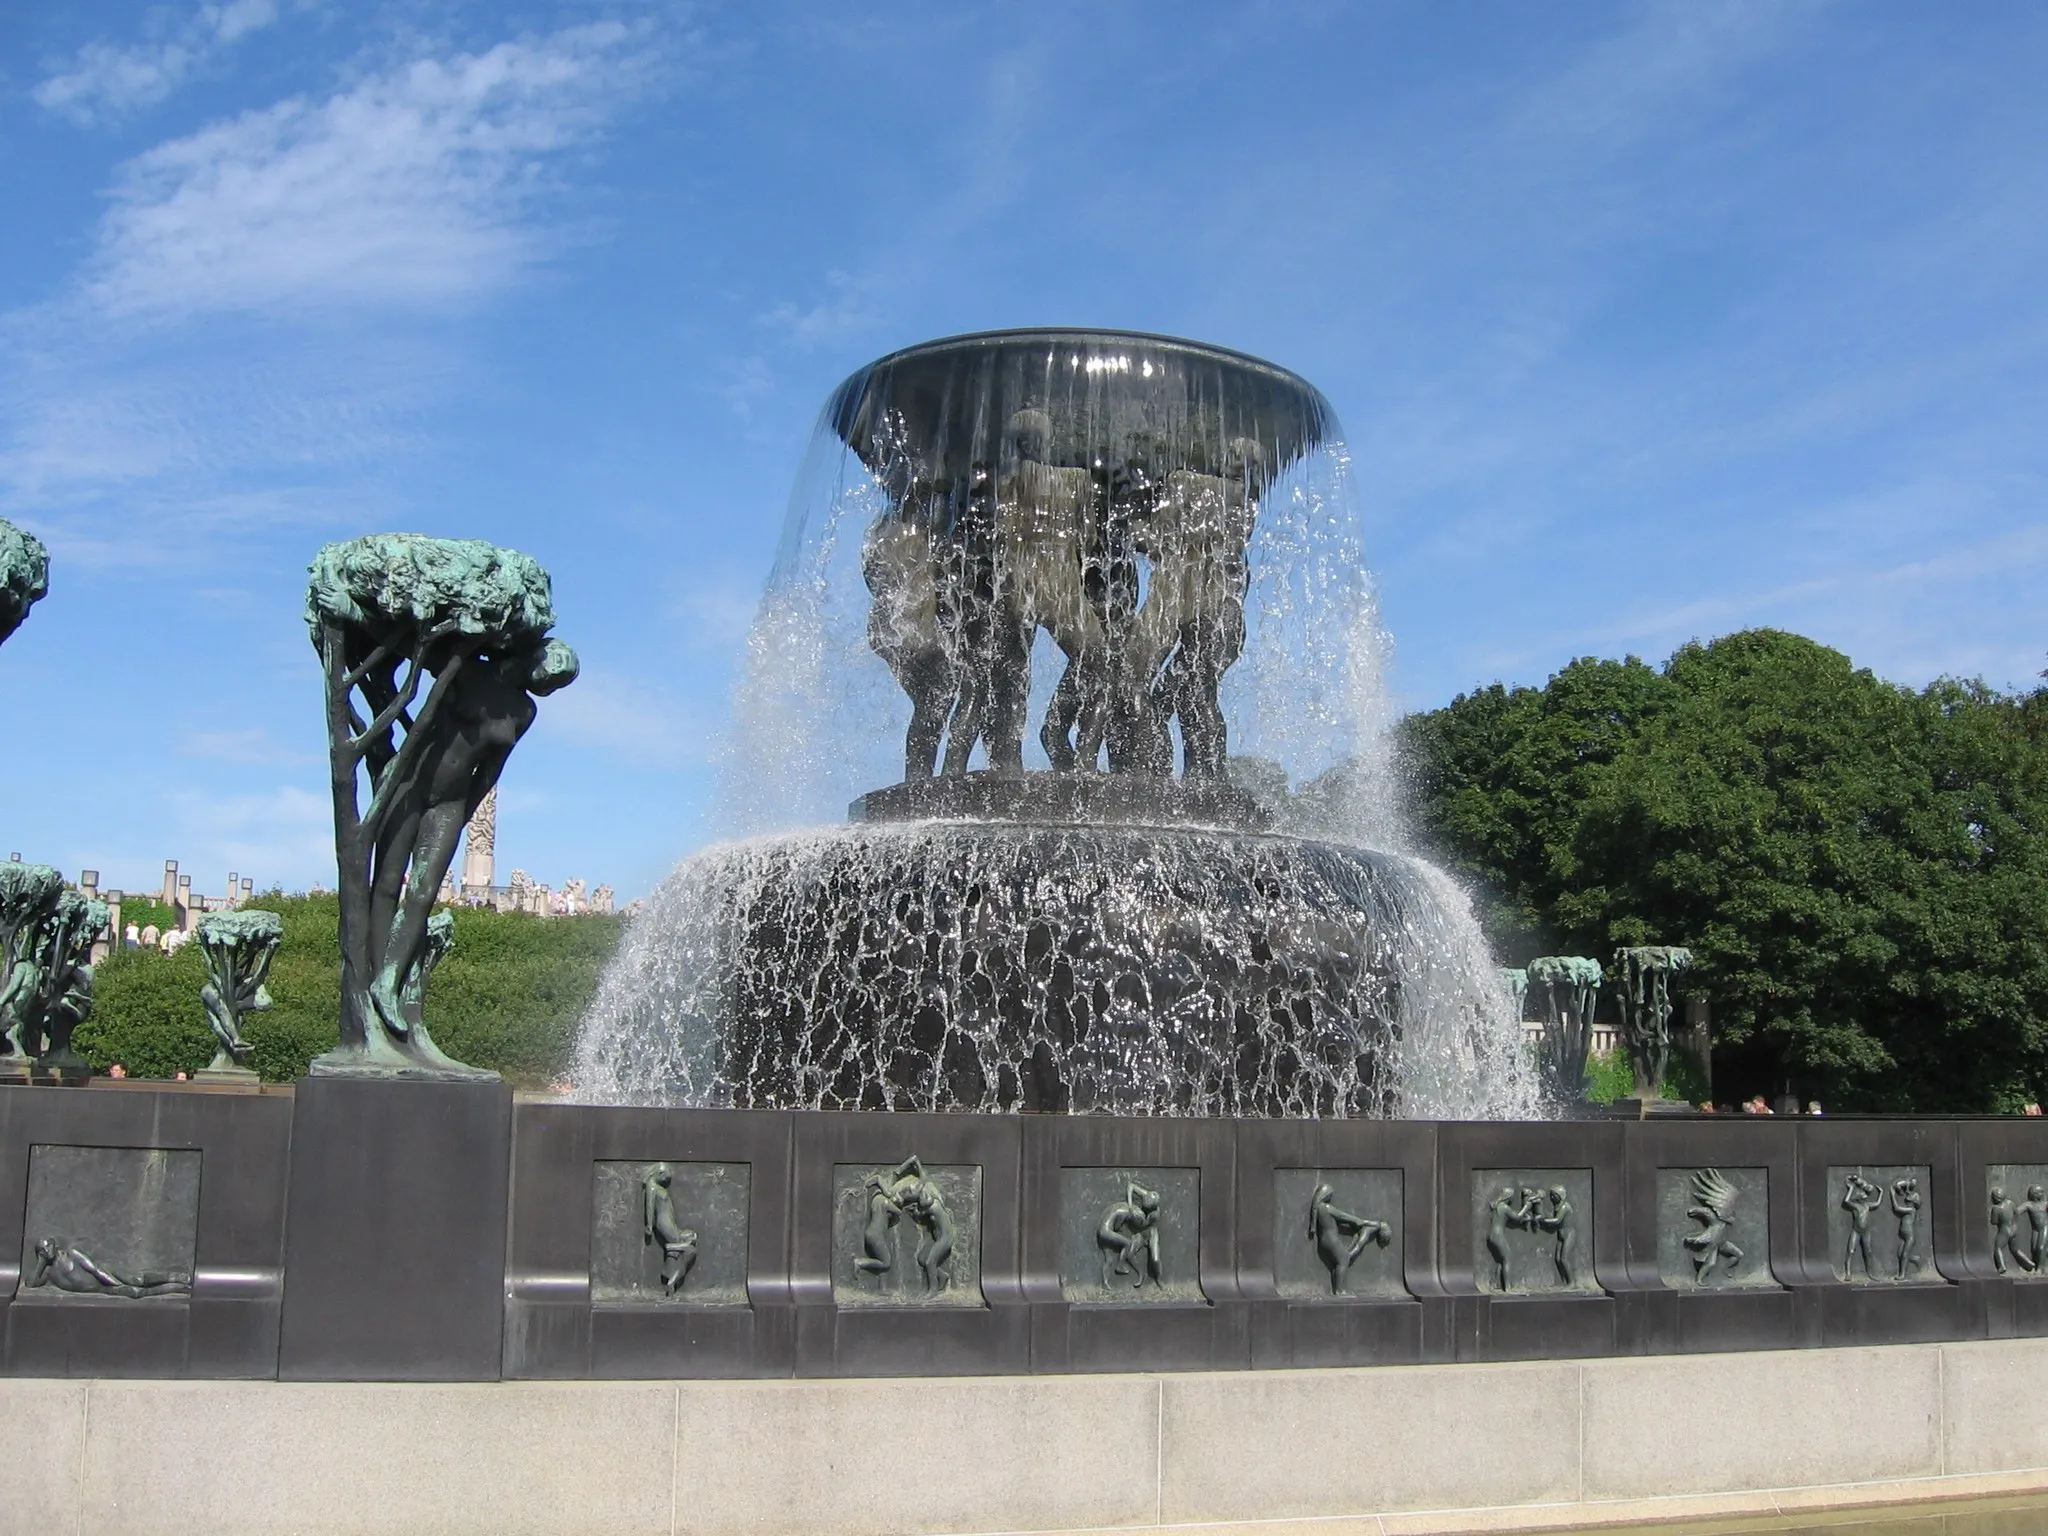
pixel 508 996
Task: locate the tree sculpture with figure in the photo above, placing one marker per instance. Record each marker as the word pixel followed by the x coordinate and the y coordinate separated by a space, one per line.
pixel 24 575
pixel 388 613
pixel 1645 971
pixel 238 947
pixel 47 990
pixel 28 893
pixel 1571 991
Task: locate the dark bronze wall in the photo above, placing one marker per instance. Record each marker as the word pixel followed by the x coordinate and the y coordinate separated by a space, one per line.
pixel 414 1231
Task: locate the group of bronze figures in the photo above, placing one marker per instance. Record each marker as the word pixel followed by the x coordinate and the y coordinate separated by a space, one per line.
pixel 1548 1212
pixel 1139 579
pixel 2028 1248
pixel 907 1193
pixel 1861 1198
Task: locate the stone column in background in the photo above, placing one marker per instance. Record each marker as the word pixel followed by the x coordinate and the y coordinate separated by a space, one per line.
pixel 479 846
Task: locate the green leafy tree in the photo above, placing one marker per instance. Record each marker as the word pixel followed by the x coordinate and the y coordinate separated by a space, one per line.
pixel 1499 778
pixel 1859 869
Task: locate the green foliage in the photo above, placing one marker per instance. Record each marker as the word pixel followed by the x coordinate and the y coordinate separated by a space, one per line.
pixel 508 996
pixel 1609 1076
pixel 146 1014
pixel 512 990
pixel 147 911
pixel 1859 869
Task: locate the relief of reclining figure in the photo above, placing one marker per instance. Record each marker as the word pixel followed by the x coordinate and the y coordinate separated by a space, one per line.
pixel 66 1268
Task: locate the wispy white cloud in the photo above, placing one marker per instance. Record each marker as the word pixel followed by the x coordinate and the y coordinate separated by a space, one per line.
pixel 104 81
pixel 848 309
pixel 247 331
pixel 413 188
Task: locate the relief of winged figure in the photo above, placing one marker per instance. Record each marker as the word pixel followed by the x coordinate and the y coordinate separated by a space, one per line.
pixel 1713 1208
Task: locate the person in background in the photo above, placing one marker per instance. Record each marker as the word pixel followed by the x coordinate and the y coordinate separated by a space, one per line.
pixel 2031 1109
pixel 116 1070
pixel 1813 1106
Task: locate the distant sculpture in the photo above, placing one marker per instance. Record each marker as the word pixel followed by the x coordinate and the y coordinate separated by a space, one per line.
pixel 1906 1203
pixel 480 845
pixel 658 1224
pixel 238 948
pixel 28 896
pixel 46 993
pixel 24 575
pixel 65 1268
pixel 1645 971
pixel 1341 1237
pixel 386 613
pixel 2005 1232
pixel 1562 1221
pixel 1859 1198
pixel 1570 989
pixel 1129 1238
pixel 1191 628
pixel 1713 1207
pixel 1516 980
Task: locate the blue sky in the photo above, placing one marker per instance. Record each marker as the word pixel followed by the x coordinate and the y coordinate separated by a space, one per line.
pixel 1646 322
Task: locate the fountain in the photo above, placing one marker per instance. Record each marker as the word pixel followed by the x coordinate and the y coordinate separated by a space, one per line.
pixel 1159 900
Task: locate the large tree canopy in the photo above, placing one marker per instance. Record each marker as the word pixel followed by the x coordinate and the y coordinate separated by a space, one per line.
pixel 1859 869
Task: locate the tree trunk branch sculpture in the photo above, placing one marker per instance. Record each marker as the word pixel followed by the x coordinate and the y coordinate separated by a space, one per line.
pixel 388 613
pixel 1571 991
pixel 1645 971
pixel 238 948
pixel 48 932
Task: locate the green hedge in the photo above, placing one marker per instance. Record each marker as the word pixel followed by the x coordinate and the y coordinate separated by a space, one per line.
pixel 508 996
pixel 1611 1076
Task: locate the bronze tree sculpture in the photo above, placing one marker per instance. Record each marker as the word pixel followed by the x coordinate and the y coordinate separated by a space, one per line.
pixel 433 650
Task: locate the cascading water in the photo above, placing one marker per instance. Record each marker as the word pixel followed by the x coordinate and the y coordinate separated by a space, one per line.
pixel 1148 549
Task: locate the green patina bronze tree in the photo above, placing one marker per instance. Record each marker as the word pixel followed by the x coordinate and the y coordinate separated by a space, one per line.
pixel 28 897
pixel 1571 990
pixel 238 948
pixel 47 991
pixel 433 651
pixel 1645 972
pixel 24 575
